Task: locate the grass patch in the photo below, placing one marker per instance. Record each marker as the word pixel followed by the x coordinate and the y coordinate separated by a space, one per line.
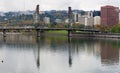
pixel 57 31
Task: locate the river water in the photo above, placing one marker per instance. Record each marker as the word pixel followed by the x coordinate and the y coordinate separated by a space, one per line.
pixel 58 54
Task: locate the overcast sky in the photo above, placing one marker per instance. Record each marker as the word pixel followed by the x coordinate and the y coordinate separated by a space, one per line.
pixel 22 5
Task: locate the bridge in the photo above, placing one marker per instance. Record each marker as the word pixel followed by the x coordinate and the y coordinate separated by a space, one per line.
pixel 5 29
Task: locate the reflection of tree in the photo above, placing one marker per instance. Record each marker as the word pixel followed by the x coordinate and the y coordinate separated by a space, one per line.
pixel 109 54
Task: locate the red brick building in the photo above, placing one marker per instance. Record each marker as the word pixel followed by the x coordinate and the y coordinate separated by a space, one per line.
pixel 109 15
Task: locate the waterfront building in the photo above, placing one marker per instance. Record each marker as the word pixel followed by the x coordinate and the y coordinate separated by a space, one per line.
pixel 46 20
pixel 97 20
pixel 109 15
pixel 87 21
pixel 81 20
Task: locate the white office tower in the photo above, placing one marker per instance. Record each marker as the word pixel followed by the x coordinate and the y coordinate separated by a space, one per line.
pixel 97 20
pixel 89 21
pixel 46 20
pixel 81 20
pixel 75 17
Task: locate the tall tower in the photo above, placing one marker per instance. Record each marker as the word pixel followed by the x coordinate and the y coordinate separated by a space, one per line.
pixel 109 15
pixel 37 9
pixel 36 15
pixel 70 16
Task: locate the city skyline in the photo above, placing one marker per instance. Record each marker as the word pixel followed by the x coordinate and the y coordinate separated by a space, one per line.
pixel 23 5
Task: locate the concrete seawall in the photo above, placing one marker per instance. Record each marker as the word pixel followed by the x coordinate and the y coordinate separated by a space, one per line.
pixel 97 35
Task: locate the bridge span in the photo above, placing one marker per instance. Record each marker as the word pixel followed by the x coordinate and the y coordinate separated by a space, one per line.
pixel 44 29
pixel 38 30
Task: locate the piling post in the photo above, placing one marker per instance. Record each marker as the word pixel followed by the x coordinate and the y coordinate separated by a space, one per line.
pixel 38 33
pixel 69 33
pixel 4 33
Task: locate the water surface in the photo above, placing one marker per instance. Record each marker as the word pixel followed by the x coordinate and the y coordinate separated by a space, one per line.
pixel 58 54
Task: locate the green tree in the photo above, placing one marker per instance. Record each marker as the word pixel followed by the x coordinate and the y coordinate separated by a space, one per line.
pixel 116 29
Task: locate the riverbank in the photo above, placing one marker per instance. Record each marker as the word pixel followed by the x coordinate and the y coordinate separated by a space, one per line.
pixel 72 34
pixel 96 35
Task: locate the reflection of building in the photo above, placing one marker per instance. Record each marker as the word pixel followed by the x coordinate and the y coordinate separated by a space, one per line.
pixel 109 15
pixel 109 55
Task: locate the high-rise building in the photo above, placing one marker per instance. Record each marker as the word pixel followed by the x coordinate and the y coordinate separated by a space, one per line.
pixel 109 15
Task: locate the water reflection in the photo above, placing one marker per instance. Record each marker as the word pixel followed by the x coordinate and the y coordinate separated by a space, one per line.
pixel 58 54
pixel 109 53
pixel 38 51
pixel 16 52
pixel 69 52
